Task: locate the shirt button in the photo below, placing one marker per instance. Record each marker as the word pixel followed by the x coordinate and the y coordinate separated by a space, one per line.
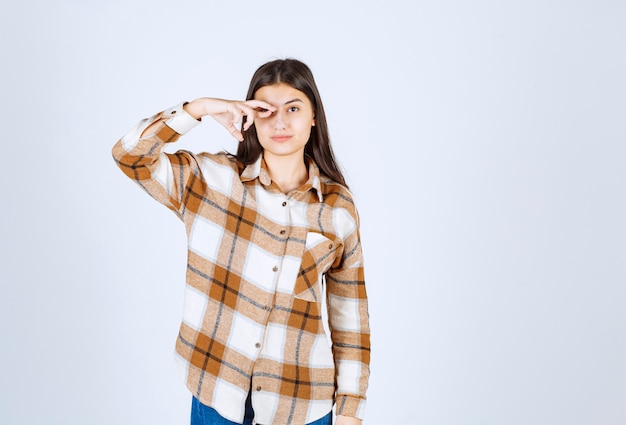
pixel 258 388
pixel 275 268
pixel 330 246
pixel 282 232
pixel 284 203
pixel 257 345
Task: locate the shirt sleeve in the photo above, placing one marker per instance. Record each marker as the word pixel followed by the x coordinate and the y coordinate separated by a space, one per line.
pixel 140 156
pixel 349 325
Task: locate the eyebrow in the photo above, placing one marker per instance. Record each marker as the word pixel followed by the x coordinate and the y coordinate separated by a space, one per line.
pixel 293 101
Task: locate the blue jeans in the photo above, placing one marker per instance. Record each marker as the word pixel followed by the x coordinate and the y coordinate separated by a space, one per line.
pixel 205 415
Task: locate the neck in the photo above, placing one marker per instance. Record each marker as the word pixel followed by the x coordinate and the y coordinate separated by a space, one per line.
pixel 287 172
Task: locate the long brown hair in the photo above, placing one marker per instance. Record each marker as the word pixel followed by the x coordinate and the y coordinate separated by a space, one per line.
pixel 299 76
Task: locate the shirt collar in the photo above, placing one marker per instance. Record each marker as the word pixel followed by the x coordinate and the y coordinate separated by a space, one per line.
pixel 258 169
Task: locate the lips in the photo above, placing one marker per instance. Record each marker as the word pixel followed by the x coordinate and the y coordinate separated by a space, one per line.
pixel 280 138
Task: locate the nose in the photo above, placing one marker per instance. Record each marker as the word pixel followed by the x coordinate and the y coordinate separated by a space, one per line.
pixel 280 121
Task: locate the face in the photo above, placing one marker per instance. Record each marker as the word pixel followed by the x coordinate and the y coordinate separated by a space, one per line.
pixel 286 131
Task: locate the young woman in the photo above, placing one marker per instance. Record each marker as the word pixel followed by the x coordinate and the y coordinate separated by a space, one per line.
pixel 267 229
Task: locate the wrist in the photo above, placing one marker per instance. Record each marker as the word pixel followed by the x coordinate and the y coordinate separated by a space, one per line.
pixel 196 108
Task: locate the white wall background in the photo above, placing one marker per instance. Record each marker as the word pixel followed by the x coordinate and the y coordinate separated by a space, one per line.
pixel 485 142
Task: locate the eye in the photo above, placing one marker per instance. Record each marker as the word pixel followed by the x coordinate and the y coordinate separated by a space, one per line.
pixel 293 109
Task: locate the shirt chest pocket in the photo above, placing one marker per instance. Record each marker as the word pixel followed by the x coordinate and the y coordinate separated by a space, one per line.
pixel 319 254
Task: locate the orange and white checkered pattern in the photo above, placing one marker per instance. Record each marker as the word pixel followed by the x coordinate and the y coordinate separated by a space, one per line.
pixel 257 262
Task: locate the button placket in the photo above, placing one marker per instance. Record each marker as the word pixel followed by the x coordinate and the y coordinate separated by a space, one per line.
pixel 283 230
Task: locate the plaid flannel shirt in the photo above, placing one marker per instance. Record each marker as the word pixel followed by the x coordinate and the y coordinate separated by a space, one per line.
pixel 257 260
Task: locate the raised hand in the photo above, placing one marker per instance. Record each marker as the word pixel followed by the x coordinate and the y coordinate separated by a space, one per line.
pixel 230 112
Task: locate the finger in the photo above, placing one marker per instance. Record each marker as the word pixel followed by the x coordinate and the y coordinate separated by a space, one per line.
pixel 236 114
pixel 260 104
pixel 261 109
pixel 262 112
pixel 250 115
pixel 234 131
pixel 248 123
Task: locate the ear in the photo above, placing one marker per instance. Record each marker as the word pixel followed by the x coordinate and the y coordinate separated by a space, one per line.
pixel 313 125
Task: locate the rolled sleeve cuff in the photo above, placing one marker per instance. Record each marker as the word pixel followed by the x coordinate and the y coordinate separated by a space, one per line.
pixel 179 120
pixel 348 405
